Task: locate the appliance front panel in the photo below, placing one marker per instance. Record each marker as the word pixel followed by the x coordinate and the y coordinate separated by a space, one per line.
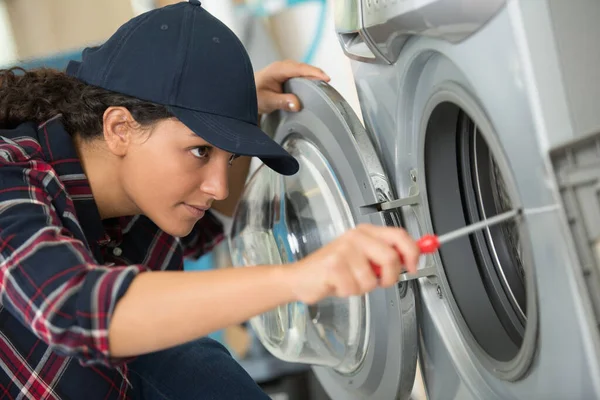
pixel 489 77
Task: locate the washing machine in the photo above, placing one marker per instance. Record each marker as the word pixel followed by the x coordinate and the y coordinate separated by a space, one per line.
pixel 470 108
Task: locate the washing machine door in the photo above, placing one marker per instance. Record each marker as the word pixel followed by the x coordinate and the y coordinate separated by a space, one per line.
pixel 360 347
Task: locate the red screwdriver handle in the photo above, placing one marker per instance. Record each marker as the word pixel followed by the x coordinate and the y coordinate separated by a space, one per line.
pixel 427 244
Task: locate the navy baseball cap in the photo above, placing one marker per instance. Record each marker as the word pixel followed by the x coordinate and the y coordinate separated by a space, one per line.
pixel 182 57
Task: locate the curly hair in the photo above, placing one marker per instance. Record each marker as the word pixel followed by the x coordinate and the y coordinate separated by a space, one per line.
pixel 40 94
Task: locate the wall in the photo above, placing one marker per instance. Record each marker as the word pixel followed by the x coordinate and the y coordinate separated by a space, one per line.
pixel 7 44
pixel 44 28
pixel 294 29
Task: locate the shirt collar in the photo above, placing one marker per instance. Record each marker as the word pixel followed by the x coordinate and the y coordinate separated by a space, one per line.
pixel 59 151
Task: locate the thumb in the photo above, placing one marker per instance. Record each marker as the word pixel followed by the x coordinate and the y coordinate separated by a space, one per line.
pixel 281 101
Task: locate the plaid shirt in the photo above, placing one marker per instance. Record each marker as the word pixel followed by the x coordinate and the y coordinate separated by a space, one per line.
pixel 62 270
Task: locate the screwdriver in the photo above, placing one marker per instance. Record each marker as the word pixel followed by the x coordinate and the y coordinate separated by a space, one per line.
pixel 430 243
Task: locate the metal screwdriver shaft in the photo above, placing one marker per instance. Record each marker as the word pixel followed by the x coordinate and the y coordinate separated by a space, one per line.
pixel 430 243
pixel 478 226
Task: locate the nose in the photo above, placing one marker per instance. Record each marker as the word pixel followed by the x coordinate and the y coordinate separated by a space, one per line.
pixel 216 179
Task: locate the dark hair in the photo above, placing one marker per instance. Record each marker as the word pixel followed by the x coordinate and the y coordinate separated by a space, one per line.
pixel 40 94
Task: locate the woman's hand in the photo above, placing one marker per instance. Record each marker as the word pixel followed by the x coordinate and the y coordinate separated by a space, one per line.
pixel 342 267
pixel 270 80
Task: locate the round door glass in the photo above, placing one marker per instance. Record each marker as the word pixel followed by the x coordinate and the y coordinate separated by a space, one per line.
pixel 282 219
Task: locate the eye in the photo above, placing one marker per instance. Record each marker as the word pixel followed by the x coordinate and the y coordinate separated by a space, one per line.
pixel 200 152
pixel 233 157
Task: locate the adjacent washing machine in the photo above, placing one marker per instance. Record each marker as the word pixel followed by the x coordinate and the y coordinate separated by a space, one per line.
pixel 470 108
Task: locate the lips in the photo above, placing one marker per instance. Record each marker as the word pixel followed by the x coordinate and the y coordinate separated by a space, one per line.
pixel 196 211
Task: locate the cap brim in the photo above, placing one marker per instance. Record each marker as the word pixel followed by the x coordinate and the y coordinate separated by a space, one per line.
pixel 238 137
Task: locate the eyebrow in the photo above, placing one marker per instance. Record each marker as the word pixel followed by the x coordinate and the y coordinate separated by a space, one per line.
pixel 193 134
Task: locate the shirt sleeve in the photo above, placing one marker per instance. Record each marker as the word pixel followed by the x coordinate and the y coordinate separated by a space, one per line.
pixel 48 278
pixel 207 233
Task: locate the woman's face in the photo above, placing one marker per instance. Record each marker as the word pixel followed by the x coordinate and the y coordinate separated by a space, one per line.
pixel 173 176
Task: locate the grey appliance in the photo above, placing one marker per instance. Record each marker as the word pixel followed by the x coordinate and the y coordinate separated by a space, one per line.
pixel 470 108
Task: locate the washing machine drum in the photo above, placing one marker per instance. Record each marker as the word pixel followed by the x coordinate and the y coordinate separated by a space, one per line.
pixel 359 347
pixel 283 220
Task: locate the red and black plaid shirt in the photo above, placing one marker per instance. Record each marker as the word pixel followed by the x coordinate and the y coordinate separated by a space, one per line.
pixel 63 270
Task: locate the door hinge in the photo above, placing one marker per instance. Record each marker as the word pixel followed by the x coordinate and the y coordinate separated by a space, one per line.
pixel 412 199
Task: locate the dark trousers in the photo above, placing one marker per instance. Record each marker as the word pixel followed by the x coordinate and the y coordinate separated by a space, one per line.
pixel 202 369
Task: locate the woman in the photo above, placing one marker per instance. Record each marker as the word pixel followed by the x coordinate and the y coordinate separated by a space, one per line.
pixel 108 173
